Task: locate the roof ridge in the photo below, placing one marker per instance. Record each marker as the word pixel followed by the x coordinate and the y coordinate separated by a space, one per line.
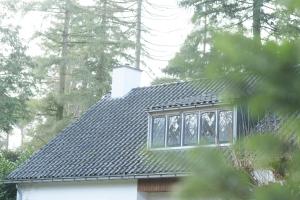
pixel 174 83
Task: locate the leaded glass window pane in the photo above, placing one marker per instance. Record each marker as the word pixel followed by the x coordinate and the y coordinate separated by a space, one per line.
pixel 225 127
pixel 174 131
pixel 158 132
pixel 208 127
pixel 190 132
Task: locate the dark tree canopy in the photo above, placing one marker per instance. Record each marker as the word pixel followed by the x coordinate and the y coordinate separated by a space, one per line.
pixel 263 20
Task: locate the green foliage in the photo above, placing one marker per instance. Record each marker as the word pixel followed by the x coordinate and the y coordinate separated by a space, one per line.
pixel 16 78
pixel 291 4
pixel 266 20
pixel 45 131
pixel 214 177
pixel 164 80
pixel 190 58
pixel 276 66
pixel 276 69
pixel 8 162
pixel 243 170
pixel 98 39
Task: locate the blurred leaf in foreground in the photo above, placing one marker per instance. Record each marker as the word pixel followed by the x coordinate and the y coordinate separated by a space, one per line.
pixel 264 165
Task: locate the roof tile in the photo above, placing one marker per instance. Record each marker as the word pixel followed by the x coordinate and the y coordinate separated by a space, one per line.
pixel 110 138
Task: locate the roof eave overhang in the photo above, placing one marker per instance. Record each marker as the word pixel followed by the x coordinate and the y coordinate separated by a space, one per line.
pixel 84 179
pixel 199 106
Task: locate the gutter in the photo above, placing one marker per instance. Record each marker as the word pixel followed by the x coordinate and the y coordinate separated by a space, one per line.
pixel 99 178
pixel 175 108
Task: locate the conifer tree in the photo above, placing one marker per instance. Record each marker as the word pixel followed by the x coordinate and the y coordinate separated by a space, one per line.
pixel 263 19
pixel 82 45
pixel 16 74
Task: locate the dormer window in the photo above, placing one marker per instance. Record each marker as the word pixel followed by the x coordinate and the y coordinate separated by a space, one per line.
pixel 190 129
pixel 208 127
pixel 225 127
pixel 174 131
pixel 158 131
pixel 177 129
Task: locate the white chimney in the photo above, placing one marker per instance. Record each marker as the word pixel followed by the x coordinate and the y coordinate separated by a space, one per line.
pixel 124 79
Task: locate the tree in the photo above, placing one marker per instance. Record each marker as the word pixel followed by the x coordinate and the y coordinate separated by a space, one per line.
pixel 186 63
pixel 138 46
pixel 269 21
pixel 8 162
pixel 82 44
pixel 235 173
pixel 16 74
pixel 263 15
pixel 64 57
pixel 240 172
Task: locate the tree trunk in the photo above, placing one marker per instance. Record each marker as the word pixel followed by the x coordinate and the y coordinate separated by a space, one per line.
pixel 22 135
pixel 63 67
pixel 138 47
pixel 7 140
pixel 257 16
pixel 205 32
pixel 103 39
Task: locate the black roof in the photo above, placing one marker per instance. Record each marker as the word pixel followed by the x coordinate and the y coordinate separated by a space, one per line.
pixel 109 140
pixel 198 100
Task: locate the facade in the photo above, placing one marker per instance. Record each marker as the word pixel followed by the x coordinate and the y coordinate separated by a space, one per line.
pixel 116 189
pixel 105 189
pixel 119 147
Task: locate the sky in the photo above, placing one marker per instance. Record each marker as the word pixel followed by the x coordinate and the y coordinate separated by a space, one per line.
pixel 167 25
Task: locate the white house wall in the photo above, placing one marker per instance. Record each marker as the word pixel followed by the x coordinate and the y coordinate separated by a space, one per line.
pixel 102 190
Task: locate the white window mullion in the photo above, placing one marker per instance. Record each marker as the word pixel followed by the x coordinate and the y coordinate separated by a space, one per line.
pixel 166 132
pixel 199 127
pixel 216 128
pixel 149 143
pixel 234 124
pixel 182 128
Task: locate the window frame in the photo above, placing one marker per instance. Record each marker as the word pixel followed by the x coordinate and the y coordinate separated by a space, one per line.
pixel 183 127
pixel 150 128
pixel 216 126
pixel 167 128
pixel 233 125
pixel 198 112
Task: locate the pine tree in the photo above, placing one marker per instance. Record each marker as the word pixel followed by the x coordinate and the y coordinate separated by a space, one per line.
pixel 269 21
pixel 138 44
pixel 16 74
pixel 82 45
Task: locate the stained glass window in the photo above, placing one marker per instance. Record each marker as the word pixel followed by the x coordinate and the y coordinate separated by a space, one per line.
pixel 208 127
pixel 225 127
pixel 174 131
pixel 158 132
pixel 190 132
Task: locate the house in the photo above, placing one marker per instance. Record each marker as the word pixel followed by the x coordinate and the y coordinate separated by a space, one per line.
pixel 118 148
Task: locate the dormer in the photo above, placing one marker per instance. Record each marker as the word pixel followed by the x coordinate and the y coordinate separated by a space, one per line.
pixel 193 121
